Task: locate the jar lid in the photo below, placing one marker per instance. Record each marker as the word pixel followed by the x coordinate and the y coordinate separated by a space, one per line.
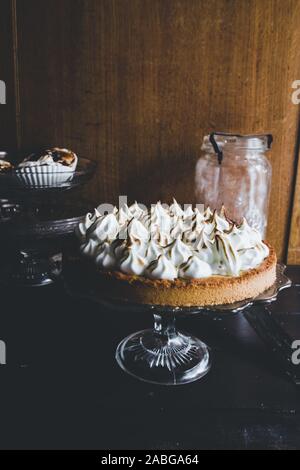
pixel 216 142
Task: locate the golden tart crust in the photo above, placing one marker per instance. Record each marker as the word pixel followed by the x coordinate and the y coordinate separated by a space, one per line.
pixel 214 290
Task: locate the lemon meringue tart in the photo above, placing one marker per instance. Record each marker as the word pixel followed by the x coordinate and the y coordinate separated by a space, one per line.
pixel 176 256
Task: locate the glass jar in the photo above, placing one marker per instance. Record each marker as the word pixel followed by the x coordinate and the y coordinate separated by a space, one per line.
pixel 233 170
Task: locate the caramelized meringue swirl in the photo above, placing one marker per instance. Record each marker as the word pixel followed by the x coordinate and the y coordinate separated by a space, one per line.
pixel 170 242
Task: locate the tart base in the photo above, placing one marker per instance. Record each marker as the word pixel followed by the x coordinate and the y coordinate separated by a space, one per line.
pixel 214 290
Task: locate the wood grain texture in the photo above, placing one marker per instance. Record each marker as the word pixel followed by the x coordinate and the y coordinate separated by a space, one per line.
pixel 294 241
pixel 135 84
pixel 9 140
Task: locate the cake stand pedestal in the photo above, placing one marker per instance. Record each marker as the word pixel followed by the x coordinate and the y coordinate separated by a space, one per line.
pixel 33 238
pixel 32 268
pixel 163 355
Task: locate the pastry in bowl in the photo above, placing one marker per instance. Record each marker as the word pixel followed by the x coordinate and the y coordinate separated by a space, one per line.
pixel 175 256
pixel 5 166
pixel 49 168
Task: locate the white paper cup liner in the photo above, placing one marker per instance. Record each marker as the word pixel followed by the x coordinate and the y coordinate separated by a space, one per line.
pixel 45 176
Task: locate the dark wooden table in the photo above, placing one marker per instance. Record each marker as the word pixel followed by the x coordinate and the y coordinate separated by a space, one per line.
pixel 61 387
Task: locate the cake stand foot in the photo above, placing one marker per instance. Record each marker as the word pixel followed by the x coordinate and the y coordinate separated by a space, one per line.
pixel 29 268
pixel 164 355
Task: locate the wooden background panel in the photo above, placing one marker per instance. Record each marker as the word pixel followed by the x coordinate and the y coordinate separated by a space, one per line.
pixel 294 241
pixel 136 84
pixel 8 73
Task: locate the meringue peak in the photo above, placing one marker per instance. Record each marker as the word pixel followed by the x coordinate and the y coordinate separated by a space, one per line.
pixel 167 242
pixel 162 268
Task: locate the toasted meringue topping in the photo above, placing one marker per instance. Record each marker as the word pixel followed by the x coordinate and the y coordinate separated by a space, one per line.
pixel 137 232
pixel 188 212
pixel 178 252
pixel 89 248
pixel 175 209
pixel 124 215
pixel 5 165
pixel 162 268
pixel 194 268
pixel 136 211
pixel 83 226
pixel 228 254
pixel 132 263
pixel 55 156
pixel 104 256
pixel 166 243
pixel 153 251
pixel 105 228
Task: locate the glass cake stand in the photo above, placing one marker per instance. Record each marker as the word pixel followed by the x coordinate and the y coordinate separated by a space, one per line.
pixel 37 220
pixel 33 240
pixel 163 355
